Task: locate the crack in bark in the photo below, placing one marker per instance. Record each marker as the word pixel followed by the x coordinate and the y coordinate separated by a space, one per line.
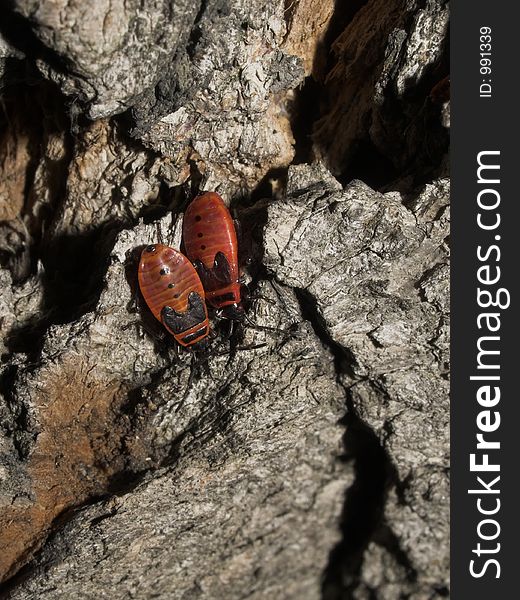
pixel 362 519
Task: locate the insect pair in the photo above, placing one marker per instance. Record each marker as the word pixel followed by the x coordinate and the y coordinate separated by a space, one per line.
pixel 178 287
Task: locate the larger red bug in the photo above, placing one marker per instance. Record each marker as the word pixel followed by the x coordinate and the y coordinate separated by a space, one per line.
pixel 174 293
pixel 210 242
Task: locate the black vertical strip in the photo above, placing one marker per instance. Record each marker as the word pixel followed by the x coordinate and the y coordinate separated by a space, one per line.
pixel 485 119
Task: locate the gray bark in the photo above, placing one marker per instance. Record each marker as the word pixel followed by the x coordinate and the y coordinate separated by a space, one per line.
pixel 311 461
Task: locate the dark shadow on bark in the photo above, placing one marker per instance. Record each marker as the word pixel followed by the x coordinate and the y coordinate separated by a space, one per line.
pixel 362 517
pixel 306 107
pixel 403 143
pixel 362 510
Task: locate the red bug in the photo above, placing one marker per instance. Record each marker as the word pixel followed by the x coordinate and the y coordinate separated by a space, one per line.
pixel 210 242
pixel 174 293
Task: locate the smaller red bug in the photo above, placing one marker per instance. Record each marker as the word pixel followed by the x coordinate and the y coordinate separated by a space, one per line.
pixel 210 242
pixel 174 293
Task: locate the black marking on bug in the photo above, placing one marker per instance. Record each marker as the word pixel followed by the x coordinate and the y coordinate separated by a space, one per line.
pixel 164 271
pixel 196 334
pixel 181 321
pixel 150 248
pixel 221 267
pixel 171 285
pixel 216 277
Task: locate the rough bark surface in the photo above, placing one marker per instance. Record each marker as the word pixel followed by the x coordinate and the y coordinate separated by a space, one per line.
pixel 379 117
pixel 306 456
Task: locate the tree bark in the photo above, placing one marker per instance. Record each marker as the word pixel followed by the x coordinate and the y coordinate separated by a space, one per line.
pixel 307 455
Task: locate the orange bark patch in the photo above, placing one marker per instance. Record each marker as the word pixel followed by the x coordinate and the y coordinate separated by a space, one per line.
pixel 307 23
pixel 80 448
pixel 15 156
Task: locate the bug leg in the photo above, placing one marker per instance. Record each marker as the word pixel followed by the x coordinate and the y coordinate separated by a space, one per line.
pixel 276 330
pixel 136 322
pixel 133 303
pixel 238 231
pixel 244 248
pixel 251 347
pixel 235 336
pixel 249 296
pixel 199 365
pixel 131 265
pixel 230 328
pixel 241 349
pixel 260 297
pixel 204 365
pixel 159 233
pixel 191 379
